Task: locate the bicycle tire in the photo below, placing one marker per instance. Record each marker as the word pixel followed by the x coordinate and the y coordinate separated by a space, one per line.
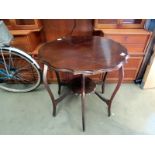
pixel 19 83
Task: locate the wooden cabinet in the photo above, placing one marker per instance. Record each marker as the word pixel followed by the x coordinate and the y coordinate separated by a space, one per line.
pixel 28 36
pixel 26 32
pixel 23 24
pixel 131 34
pixel 119 23
pixel 27 40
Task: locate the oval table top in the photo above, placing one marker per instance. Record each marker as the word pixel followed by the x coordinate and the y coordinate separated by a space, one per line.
pixel 83 55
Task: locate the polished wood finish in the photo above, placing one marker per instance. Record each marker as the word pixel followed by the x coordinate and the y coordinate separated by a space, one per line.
pixel 26 32
pixel 83 101
pixel 78 55
pixel 133 62
pixel 128 74
pixel 23 24
pixel 128 38
pixel 135 48
pixel 104 75
pixel 109 101
pixel 57 28
pixel 119 23
pixel 124 31
pixel 83 56
pixel 54 101
pixel 134 38
pixel 76 85
pixel 27 41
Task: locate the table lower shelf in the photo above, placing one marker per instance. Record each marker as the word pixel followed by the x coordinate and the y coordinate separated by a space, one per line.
pixel 76 85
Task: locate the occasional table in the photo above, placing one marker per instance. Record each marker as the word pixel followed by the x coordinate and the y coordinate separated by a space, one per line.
pixel 83 56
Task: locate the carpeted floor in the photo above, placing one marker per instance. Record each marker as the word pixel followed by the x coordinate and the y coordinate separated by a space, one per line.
pixel 133 112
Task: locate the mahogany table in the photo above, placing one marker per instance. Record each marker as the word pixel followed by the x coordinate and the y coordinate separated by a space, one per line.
pixel 83 56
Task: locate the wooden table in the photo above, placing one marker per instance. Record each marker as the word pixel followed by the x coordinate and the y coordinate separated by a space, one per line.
pixel 83 56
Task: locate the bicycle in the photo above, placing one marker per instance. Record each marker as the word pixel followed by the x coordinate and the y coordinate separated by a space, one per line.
pixel 19 72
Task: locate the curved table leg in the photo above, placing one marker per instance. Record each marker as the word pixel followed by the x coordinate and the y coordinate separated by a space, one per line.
pixel 121 75
pixel 103 81
pixel 83 102
pixel 59 82
pixel 109 101
pixel 48 88
pixel 54 101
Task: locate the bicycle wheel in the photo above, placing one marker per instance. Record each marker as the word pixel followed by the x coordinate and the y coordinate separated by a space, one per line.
pixel 18 72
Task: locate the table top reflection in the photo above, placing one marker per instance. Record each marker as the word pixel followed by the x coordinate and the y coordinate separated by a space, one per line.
pixel 83 54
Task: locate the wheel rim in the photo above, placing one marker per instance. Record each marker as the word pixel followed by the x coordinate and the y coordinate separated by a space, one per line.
pixel 23 74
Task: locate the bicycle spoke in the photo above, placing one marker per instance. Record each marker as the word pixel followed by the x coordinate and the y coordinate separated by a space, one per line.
pixel 23 72
pixel 11 63
pixel 4 62
pixel 22 76
pixel 21 79
pixel 24 68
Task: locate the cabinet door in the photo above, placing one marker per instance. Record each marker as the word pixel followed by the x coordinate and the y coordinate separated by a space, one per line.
pixel 27 24
pixel 119 23
pixel 22 24
pixel 106 23
pixel 132 23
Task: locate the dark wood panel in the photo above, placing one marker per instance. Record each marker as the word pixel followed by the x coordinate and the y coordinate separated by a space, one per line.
pixel 135 48
pixel 132 39
pixel 56 28
pixel 133 63
pixel 119 23
pixel 128 74
pixel 28 42
pixel 131 70
pixel 21 42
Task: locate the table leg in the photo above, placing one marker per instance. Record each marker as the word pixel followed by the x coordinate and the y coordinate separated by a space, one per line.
pixel 109 101
pixel 121 75
pixel 54 101
pixel 104 75
pixel 59 82
pixel 83 102
pixel 48 88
